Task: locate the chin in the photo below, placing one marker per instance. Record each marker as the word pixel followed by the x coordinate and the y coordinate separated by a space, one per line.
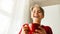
pixel 36 18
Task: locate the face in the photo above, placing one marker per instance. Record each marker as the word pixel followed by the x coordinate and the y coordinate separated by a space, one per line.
pixel 36 13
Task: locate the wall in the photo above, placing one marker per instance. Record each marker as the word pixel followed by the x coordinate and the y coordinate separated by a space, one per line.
pixel 52 18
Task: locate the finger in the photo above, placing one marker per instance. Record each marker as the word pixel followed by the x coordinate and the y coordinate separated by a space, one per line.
pixel 38 31
pixel 25 25
pixel 41 28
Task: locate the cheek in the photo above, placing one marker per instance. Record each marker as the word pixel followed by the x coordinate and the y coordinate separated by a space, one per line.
pixel 31 15
pixel 40 15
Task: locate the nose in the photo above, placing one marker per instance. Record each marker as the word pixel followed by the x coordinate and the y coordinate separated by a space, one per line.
pixel 36 13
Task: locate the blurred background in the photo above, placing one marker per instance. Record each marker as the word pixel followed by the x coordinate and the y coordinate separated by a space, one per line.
pixel 14 13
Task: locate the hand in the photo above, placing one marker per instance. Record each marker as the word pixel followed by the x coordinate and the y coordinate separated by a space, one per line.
pixel 25 29
pixel 41 31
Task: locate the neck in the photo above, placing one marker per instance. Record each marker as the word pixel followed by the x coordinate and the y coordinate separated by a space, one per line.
pixel 37 21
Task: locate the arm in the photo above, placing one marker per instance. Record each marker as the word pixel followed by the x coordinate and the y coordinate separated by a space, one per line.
pixel 50 30
pixel 47 30
pixel 24 29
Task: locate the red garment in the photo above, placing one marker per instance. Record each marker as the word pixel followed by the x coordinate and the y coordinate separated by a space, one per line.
pixel 34 26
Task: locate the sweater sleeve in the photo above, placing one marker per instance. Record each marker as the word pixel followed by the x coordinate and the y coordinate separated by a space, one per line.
pixel 49 30
pixel 20 31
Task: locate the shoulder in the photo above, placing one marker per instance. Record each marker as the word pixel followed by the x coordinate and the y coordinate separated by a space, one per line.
pixel 48 29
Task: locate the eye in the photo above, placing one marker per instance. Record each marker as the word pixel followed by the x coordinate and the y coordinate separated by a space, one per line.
pixel 39 11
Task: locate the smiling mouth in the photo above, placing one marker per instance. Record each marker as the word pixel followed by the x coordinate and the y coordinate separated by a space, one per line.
pixel 36 16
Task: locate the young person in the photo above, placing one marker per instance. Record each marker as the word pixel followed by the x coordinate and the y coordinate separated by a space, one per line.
pixel 37 14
